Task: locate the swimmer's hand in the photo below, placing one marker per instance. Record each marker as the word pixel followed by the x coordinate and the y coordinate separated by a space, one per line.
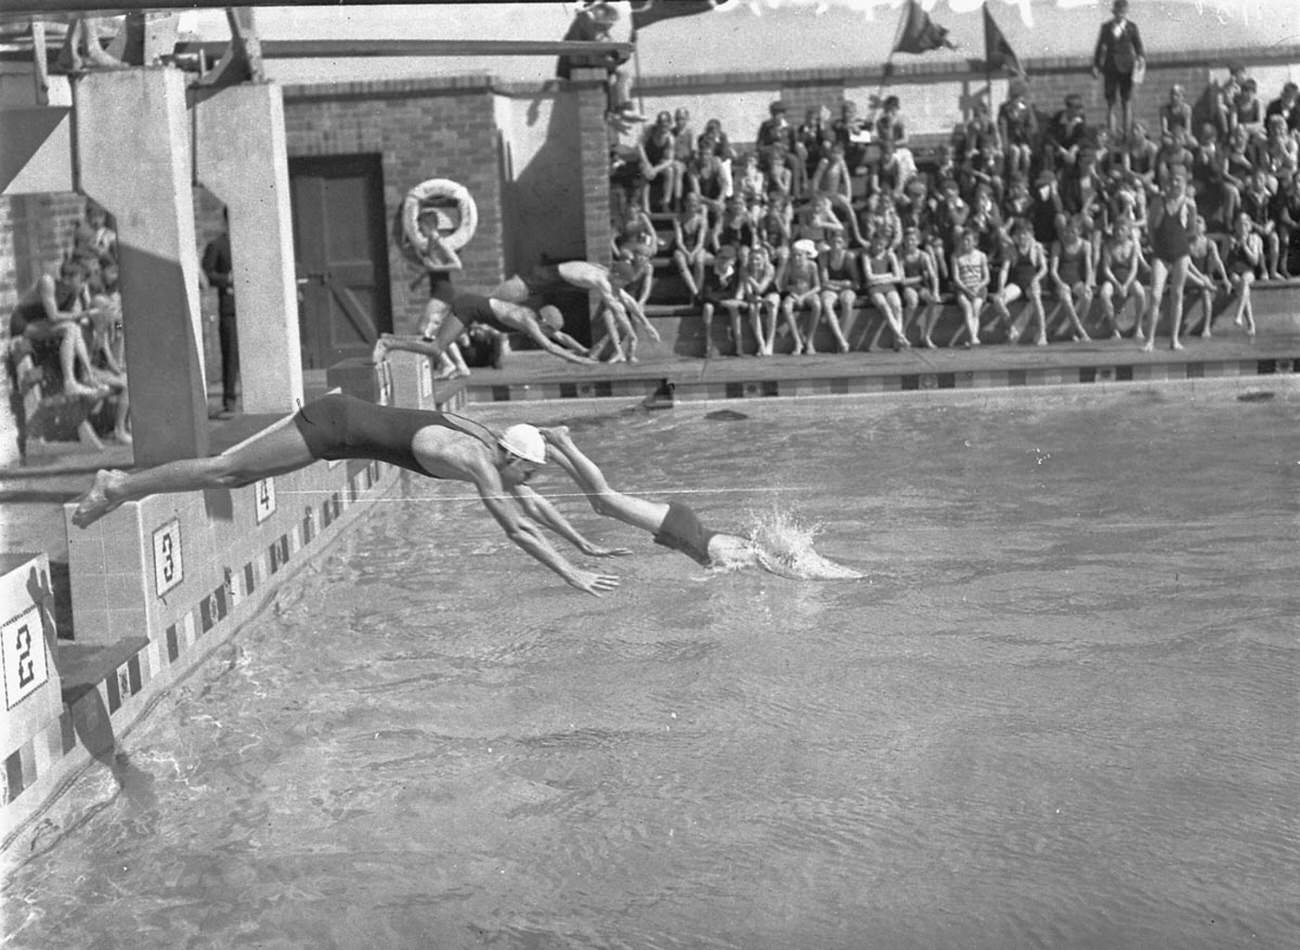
pixel 593 550
pixel 593 583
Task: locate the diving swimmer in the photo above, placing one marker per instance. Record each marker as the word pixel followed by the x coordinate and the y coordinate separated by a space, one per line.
pixel 674 525
pixel 433 444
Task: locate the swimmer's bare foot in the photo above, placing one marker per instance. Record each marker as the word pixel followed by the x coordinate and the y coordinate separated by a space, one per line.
pixel 380 352
pixel 1174 344
pixel 1149 346
pixel 104 495
pixel 121 435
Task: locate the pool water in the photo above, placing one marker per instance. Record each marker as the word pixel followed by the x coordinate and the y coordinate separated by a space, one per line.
pixel 1060 711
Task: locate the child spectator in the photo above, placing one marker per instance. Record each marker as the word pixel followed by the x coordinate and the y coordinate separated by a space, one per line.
pixel 775 131
pixel 970 278
pixel 1018 129
pixel 889 124
pixel 919 286
pixel 660 165
pixel 760 299
pixel 1118 270
pixel 882 275
pixel 50 313
pixel 1117 56
pixel 735 229
pixel 752 184
pixel 683 151
pixel 594 24
pixel 1215 198
pixel 800 288
pixel 775 228
pixel 1286 213
pixel 1066 134
pixel 1176 114
pixel 1248 110
pixel 1046 209
pixel 1286 105
pixel 1257 204
pixel 848 131
pixel 1070 266
pixel 1244 262
pixel 723 289
pixel 1203 266
pixel 839 277
pixel 705 180
pixel 690 237
pixel 832 181
pixel 813 140
pixel 1171 223
pixel 1023 271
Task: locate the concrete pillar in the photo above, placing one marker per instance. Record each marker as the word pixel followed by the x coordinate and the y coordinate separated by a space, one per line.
pixel 242 158
pixel 589 86
pixel 133 149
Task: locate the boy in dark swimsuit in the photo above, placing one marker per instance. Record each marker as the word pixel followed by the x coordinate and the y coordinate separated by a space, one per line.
pixel 433 444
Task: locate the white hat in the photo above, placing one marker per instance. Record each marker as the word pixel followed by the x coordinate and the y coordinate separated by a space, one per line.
pixel 524 441
pixel 805 246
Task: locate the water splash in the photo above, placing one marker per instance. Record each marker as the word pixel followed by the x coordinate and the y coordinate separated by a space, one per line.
pixel 784 545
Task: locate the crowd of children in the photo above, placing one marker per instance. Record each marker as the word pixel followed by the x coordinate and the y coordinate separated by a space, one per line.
pixel 817 218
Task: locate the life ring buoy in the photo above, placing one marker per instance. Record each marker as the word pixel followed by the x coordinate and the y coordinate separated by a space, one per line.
pixel 431 192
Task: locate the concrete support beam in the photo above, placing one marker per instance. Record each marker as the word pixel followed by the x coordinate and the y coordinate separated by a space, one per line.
pixel 241 156
pixel 133 144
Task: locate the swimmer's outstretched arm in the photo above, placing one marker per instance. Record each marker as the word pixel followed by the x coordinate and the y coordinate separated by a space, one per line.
pixel 542 511
pixel 638 512
pixel 506 510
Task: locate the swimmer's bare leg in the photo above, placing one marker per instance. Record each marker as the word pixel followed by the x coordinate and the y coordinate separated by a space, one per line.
pixel 638 512
pixel 278 450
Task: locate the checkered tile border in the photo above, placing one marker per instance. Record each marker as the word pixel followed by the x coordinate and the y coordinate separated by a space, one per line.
pixel 48 746
pixel 686 389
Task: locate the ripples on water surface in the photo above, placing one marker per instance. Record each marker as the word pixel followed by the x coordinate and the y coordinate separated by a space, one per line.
pixel 1061 712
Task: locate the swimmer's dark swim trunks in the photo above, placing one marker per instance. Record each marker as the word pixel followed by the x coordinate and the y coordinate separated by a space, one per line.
pixel 682 531
pixel 338 426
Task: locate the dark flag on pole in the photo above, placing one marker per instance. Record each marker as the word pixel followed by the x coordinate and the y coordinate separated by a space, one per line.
pixel 998 53
pixel 920 33
pixel 652 11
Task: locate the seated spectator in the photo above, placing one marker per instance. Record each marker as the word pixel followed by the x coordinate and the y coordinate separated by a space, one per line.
pixel 634 229
pixel 890 126
pixel 660 167
pixel 1286 214
pixel 752 184
pixel 776 130
pixel 892 170
pixel 878 216
pixel 1017 128
pixel 1238 168
pixel 705 180
pixel 986 220
pixel 1046 209
pixel 95 236
pixel 1118 270
pixel 1204 266
pixel 1286 105
pixel 1023 271
pixel 1215 198
pixel 593 25
pixel 831 180
pixel 760 298
pixel 1140 156
pixel 839 278
pixel 775 165
pixel 950 216
pixel 721 289
pixel 776 228
pixel 849 131
pixel 1280 151
pixel 970 283
pixel 689 244
pixel 1172 157
pixel 816 222
pixel 1257 205
pixel 1176 114
pixel 107 348
pixel 980 171
pixel 1066 134
pixel 980 135
pixel 734 229
pixel 49 314
pixel 1070 267
pixel 715 141
pixel 1248 111
pixel 800 287
pixel 882 276
pixel 812 141
pixel 1082 189
pixel 919 287
pixel 683 151
pixel 1244 262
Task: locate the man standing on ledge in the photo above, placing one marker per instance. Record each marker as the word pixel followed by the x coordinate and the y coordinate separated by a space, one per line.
pixel 1117 57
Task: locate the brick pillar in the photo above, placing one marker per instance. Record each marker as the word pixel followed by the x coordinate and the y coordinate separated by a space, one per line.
pixel 589 86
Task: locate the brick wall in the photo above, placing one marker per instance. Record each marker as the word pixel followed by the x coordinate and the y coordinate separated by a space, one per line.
pixel 422 129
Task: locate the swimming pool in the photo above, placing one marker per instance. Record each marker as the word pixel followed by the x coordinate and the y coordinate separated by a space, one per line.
pixel 1061 711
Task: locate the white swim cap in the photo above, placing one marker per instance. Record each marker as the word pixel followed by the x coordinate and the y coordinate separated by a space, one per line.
pixel 524 441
